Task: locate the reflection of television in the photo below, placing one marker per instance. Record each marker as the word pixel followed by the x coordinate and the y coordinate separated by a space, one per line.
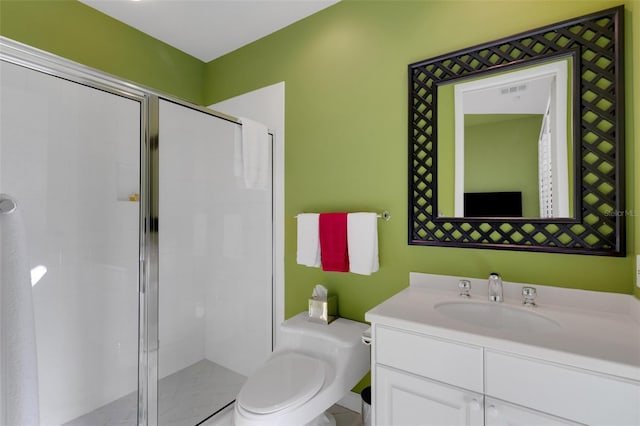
pixel 493 204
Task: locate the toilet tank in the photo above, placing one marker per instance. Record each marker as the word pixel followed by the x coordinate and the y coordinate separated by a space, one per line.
pixel 299 332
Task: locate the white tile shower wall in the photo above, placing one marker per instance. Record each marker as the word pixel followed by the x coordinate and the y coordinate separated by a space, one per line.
pixel 62 149
pixel 266 105
pixel 239 304
pixel 215 249
pixel 183 276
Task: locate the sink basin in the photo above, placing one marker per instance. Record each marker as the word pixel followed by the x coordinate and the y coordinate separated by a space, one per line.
pixel 496 316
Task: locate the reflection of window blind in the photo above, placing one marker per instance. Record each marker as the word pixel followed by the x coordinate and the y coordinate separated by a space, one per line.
pixel 545 171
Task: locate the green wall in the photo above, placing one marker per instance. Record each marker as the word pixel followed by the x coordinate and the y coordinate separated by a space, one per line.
pixel 345 70
pixel 502 155
pixel 445 148
pixel 78 32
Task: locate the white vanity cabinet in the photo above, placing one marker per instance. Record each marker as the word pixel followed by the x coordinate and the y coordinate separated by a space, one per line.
pixel 421 379
pixel 409 400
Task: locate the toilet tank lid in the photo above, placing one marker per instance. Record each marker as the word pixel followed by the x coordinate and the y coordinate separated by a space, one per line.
pixel 342 331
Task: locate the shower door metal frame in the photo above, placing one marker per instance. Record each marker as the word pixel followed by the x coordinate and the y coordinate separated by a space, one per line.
pixel 153 242
pixel 38 60
pixel 148 281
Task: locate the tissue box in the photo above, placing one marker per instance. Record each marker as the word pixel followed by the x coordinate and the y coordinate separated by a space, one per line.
pixel 323 311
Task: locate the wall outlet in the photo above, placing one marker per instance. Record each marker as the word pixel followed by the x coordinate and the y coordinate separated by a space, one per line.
pixel 638 270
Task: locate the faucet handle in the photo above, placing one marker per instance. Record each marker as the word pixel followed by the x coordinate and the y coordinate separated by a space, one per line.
pixel 465 288
pixel 529 296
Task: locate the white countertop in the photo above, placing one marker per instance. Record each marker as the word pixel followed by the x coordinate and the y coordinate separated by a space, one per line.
pixel 598 331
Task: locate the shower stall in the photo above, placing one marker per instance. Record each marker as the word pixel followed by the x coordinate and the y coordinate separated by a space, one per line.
pixel 152 272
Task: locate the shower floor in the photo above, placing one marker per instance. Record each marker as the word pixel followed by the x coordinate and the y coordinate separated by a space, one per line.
pixel 185 398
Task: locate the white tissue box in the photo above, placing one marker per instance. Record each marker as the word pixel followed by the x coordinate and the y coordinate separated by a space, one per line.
pixel 323 311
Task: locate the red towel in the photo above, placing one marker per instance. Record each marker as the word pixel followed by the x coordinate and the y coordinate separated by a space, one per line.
pixel 333 242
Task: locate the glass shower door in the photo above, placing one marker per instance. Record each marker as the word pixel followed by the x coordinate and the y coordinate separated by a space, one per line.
pixel 215 267
pixel 70 156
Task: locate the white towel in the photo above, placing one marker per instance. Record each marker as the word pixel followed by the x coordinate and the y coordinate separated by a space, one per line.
pixel 237 151
pixel 255 154
pixel 18 356
pixel 362 238
pixel 308 240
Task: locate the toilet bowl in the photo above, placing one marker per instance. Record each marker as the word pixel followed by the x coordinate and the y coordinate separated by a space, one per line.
pixel 312 368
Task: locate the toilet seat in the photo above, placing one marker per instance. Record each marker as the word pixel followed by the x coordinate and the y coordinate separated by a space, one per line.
pixel 286 380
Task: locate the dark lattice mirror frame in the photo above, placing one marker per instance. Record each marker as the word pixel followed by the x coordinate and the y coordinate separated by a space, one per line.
pixel 599 224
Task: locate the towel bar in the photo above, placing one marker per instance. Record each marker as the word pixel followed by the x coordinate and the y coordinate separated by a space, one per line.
pixel 384 215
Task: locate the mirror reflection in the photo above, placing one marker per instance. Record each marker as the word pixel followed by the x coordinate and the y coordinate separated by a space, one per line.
pixel 505 145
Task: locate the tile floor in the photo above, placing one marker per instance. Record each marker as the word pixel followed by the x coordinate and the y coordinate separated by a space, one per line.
pixel 194 393
pixel 344 416
pixel 189 396
pixel 185 398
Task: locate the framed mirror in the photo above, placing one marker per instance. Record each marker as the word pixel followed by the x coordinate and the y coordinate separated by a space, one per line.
pixel 519 143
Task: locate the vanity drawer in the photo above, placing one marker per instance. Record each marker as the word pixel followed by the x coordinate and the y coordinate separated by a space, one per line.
pixel 575 394
pixel 443 360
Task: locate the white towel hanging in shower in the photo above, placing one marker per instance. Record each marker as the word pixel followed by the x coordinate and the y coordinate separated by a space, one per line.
pixel 18 356
pixel 255 154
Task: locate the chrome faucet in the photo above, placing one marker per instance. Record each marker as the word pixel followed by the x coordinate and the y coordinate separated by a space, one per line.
pixel 495 287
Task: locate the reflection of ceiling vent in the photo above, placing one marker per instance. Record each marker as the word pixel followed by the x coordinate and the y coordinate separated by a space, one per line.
pixel 513 89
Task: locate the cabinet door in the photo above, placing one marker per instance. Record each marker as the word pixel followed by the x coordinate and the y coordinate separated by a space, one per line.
pixel 499 413
pixel 403 399
pixel 563 391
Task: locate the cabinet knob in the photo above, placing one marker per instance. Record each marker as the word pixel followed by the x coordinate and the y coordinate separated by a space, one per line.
pixel 474 404
pixel 492 411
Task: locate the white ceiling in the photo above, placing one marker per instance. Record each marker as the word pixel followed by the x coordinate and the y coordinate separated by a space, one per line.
pixel 208 29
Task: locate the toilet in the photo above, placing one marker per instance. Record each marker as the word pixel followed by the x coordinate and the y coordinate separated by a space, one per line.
pixel 312 368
